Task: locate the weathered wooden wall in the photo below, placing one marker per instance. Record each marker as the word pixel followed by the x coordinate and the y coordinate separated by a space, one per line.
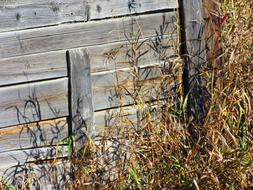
pixel 62 59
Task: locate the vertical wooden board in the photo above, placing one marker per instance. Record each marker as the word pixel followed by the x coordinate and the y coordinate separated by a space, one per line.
pixel 80 34
pixel 104 8
pixel 195 57
pixel 33 67
pixel 34 135
pixel 212 32
pixel 37 101
pixel 21 14
pixel 81 95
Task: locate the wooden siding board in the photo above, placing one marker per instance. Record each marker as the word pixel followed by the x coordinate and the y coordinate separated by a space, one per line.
pixel 36 101
pixel 33 135
pixel 33 67
pixel 104 8
pixel 79 35
pixel 81 96
pixel 53 65
pixel 48 175
pixel 114 56
pixel 21 14
pixel 110 89
pixel 195 59
pixel 19 158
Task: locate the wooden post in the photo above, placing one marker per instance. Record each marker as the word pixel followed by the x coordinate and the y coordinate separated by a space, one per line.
pixel 194 54
pixel 80 102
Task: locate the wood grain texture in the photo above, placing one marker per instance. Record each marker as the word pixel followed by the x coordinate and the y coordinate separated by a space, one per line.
pixel 119 87
pixel 118 55
pixel 128 116
pixel 21 14
pixel 33 135
pixel 46 175
pixel 33 67
pixel 81 96
pixel 104 8
pixel 53 65
pixel 19 158
pixel 33 102
pixel 81 34
pixel 124 117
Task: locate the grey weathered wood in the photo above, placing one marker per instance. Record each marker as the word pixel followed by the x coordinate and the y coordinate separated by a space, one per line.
pixel 112 117
pixel 104 8
pixel 81 96
pixel 20 157
pixel 114 56
pixel 195 57
pixel 81 34
pixel 33 67
pixel 33 135
pixel 33 102
pixel 112 88
pixel 48 175
pixel 21 14
pixel 123 117
pixel 52 65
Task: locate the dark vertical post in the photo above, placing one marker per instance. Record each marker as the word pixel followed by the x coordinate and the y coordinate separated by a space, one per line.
pixel 194 54
pixel 80 103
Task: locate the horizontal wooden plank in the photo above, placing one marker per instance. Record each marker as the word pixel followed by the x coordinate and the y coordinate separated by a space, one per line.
pixel 124 116
pixel 46 175
pixel 115 55
pixel 20 157
pixel 33 102
pixel 46 133
pixel 20 14
pixel 33 67
pixel 53 64
pixel 104 8
pixel 115 88
pixel 82 34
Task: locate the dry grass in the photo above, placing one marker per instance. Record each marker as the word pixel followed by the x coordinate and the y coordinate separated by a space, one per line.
pixel 159 152
pixel 156 151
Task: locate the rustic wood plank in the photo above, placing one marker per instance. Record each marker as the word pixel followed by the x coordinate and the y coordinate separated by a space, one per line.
pixel 33 67
pixel 33 102
pixel 82 34
pixel 104 8
pixel 52 65
pixel 194 57
pixel 125 117
pixel 115 55
pixel 32 135
pixel 116 88
pixel 46 175
pixel 20 157
pixel 21 14
pixel 81 96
